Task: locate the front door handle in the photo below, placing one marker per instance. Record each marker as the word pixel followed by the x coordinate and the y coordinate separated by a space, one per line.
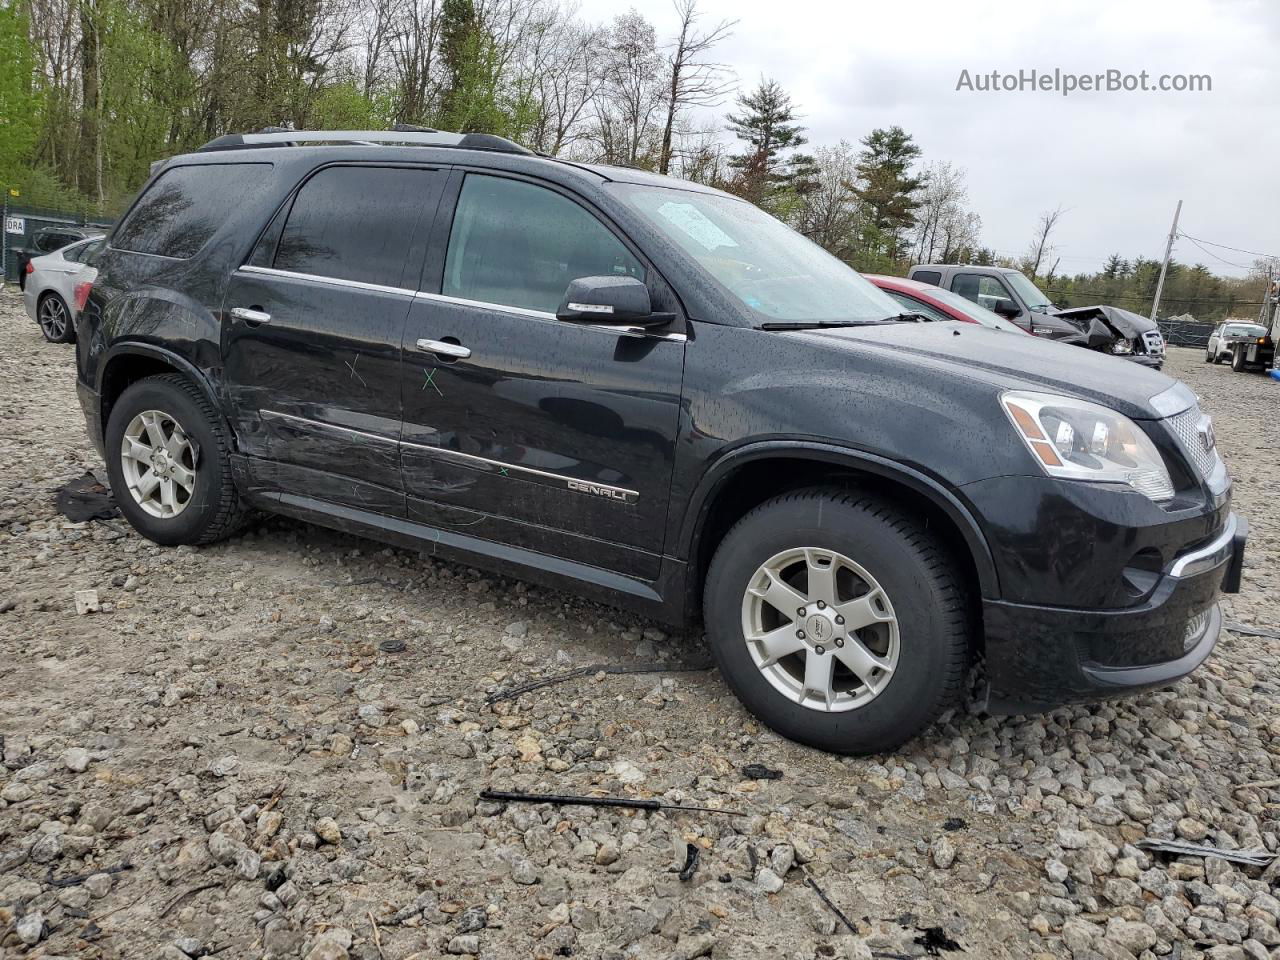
pixel 445 349
pixel 249 315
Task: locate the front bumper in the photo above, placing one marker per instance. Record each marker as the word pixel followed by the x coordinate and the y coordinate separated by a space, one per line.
pixel 1040 657
pixel 1153 360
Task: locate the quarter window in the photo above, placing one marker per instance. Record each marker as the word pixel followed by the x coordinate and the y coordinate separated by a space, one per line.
pixel 358 223
pixel 519 245
pixel 927 276
pixel 186 206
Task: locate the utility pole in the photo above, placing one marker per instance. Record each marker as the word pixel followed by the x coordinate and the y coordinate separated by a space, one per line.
pixel 1164 267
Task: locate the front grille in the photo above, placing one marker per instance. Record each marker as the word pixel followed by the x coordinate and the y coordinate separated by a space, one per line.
pixel 1187 428
pixel 1154 342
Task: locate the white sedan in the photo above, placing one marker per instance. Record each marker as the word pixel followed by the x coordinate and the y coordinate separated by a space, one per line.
pixel 56 285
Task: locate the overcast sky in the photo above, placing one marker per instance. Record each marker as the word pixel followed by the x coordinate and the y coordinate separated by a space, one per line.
pixel 1116 162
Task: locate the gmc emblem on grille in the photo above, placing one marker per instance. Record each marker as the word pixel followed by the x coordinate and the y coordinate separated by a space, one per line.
pixel 1205 430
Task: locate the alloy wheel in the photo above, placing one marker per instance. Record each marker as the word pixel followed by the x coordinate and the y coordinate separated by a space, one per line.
pixel 821 629
pixel 158 461
pixel 53 318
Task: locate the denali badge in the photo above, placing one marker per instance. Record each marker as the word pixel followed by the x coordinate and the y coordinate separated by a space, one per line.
pixel 613 493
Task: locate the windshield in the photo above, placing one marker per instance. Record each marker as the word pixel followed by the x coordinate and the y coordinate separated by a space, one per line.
pixel 972 310
pixel 1245 330
pixel 1028 291
pixel 775 272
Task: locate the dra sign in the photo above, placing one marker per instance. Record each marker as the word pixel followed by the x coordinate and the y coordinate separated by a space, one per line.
pixel 15 225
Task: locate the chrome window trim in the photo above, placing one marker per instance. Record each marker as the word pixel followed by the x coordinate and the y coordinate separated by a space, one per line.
pixel 1209 556
pixel 332 281
pixel 618 330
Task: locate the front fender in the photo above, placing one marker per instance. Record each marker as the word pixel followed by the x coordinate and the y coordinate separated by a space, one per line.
pixel 717 475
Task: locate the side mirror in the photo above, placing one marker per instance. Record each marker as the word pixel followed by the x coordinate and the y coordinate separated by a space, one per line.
pixel 620 300
pixel 1006 308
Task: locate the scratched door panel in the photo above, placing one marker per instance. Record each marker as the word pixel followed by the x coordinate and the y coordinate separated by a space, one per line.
pixel 314 388
pixel 550 436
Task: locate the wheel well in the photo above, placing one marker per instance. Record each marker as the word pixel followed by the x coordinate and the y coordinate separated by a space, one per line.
pixel 759 480
pixel 124 371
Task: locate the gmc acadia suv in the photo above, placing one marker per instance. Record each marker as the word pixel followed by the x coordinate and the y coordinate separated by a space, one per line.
pixel 652 393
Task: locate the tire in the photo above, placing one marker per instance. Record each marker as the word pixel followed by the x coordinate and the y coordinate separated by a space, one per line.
pixel 55 319
pixel 915 575
pixel 211 508
pixel 1208 357
pixel 1237 360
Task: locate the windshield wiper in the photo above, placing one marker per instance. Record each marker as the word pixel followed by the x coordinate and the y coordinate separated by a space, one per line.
pixel 906 318
pixel 815 324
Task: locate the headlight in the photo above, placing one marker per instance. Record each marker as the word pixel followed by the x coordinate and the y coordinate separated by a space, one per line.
pixel 1122 346
pixel 1077 440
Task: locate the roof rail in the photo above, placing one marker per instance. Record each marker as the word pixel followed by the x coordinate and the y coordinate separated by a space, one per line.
pixel 275 137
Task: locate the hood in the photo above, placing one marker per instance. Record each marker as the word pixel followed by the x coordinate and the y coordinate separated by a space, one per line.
pixel 1006 361
pixel 1124 323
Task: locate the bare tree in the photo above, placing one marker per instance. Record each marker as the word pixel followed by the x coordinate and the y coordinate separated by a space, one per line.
pixel 631 96
pixel 831 214
pixel 692 80
pixel 1040 248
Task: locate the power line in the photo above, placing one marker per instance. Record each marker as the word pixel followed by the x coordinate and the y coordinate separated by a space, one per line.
pixel 1145 297
pixel 1229 263
pixel 1252 253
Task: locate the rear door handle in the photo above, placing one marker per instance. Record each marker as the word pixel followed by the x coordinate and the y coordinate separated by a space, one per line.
pixel 249 315
pixel 444 348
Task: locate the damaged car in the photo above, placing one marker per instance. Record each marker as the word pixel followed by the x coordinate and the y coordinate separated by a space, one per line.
pixel 653 394
pixel 1010 294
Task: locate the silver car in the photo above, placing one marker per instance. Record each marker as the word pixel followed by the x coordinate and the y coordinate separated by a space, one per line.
pixel 51 286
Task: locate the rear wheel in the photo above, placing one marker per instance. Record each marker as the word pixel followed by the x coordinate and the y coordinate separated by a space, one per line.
pixel 837 620
pixel 168 458
pixel 55 319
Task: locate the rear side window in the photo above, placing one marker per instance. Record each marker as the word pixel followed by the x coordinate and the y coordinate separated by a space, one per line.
pixel 359 223
pixel 928 276
pixel 75 253
pixel 518 244
pixel 186 206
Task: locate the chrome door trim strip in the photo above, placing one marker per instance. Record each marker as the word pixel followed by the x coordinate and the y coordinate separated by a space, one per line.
pixel 277 415
pixel 608 491
pixel 563 481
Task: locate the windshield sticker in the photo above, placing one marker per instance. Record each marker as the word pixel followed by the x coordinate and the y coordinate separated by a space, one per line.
pixel 695 223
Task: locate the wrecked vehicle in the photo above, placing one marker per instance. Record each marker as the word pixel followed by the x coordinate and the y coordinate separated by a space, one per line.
pixel 1116 331
pixel 654 394
pixel 1008 293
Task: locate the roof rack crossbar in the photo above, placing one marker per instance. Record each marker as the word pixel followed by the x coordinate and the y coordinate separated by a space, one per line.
pixel 418 138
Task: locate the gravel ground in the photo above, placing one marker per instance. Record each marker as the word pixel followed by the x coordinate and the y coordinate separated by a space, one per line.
pixel 224 759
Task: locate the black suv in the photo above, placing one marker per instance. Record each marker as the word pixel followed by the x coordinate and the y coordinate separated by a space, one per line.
pixel 654 394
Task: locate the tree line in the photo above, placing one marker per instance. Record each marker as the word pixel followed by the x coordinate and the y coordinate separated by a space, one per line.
pixel 93 91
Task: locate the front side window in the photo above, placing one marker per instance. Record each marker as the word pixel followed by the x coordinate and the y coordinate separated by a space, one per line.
pixel 519 245
pixel 357 223
pixel 777 274
pixel 186 205
pixel 1030 293
pixel 984 291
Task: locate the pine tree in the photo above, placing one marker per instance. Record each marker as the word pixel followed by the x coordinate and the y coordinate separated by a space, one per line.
pixel 887 187
pixel 770 168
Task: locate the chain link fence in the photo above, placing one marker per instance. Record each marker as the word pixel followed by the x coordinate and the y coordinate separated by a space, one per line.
pixel 21 224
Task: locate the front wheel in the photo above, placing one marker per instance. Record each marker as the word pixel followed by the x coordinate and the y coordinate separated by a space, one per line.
pixel 168 458
pixel 1237 360
pixel 837 620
